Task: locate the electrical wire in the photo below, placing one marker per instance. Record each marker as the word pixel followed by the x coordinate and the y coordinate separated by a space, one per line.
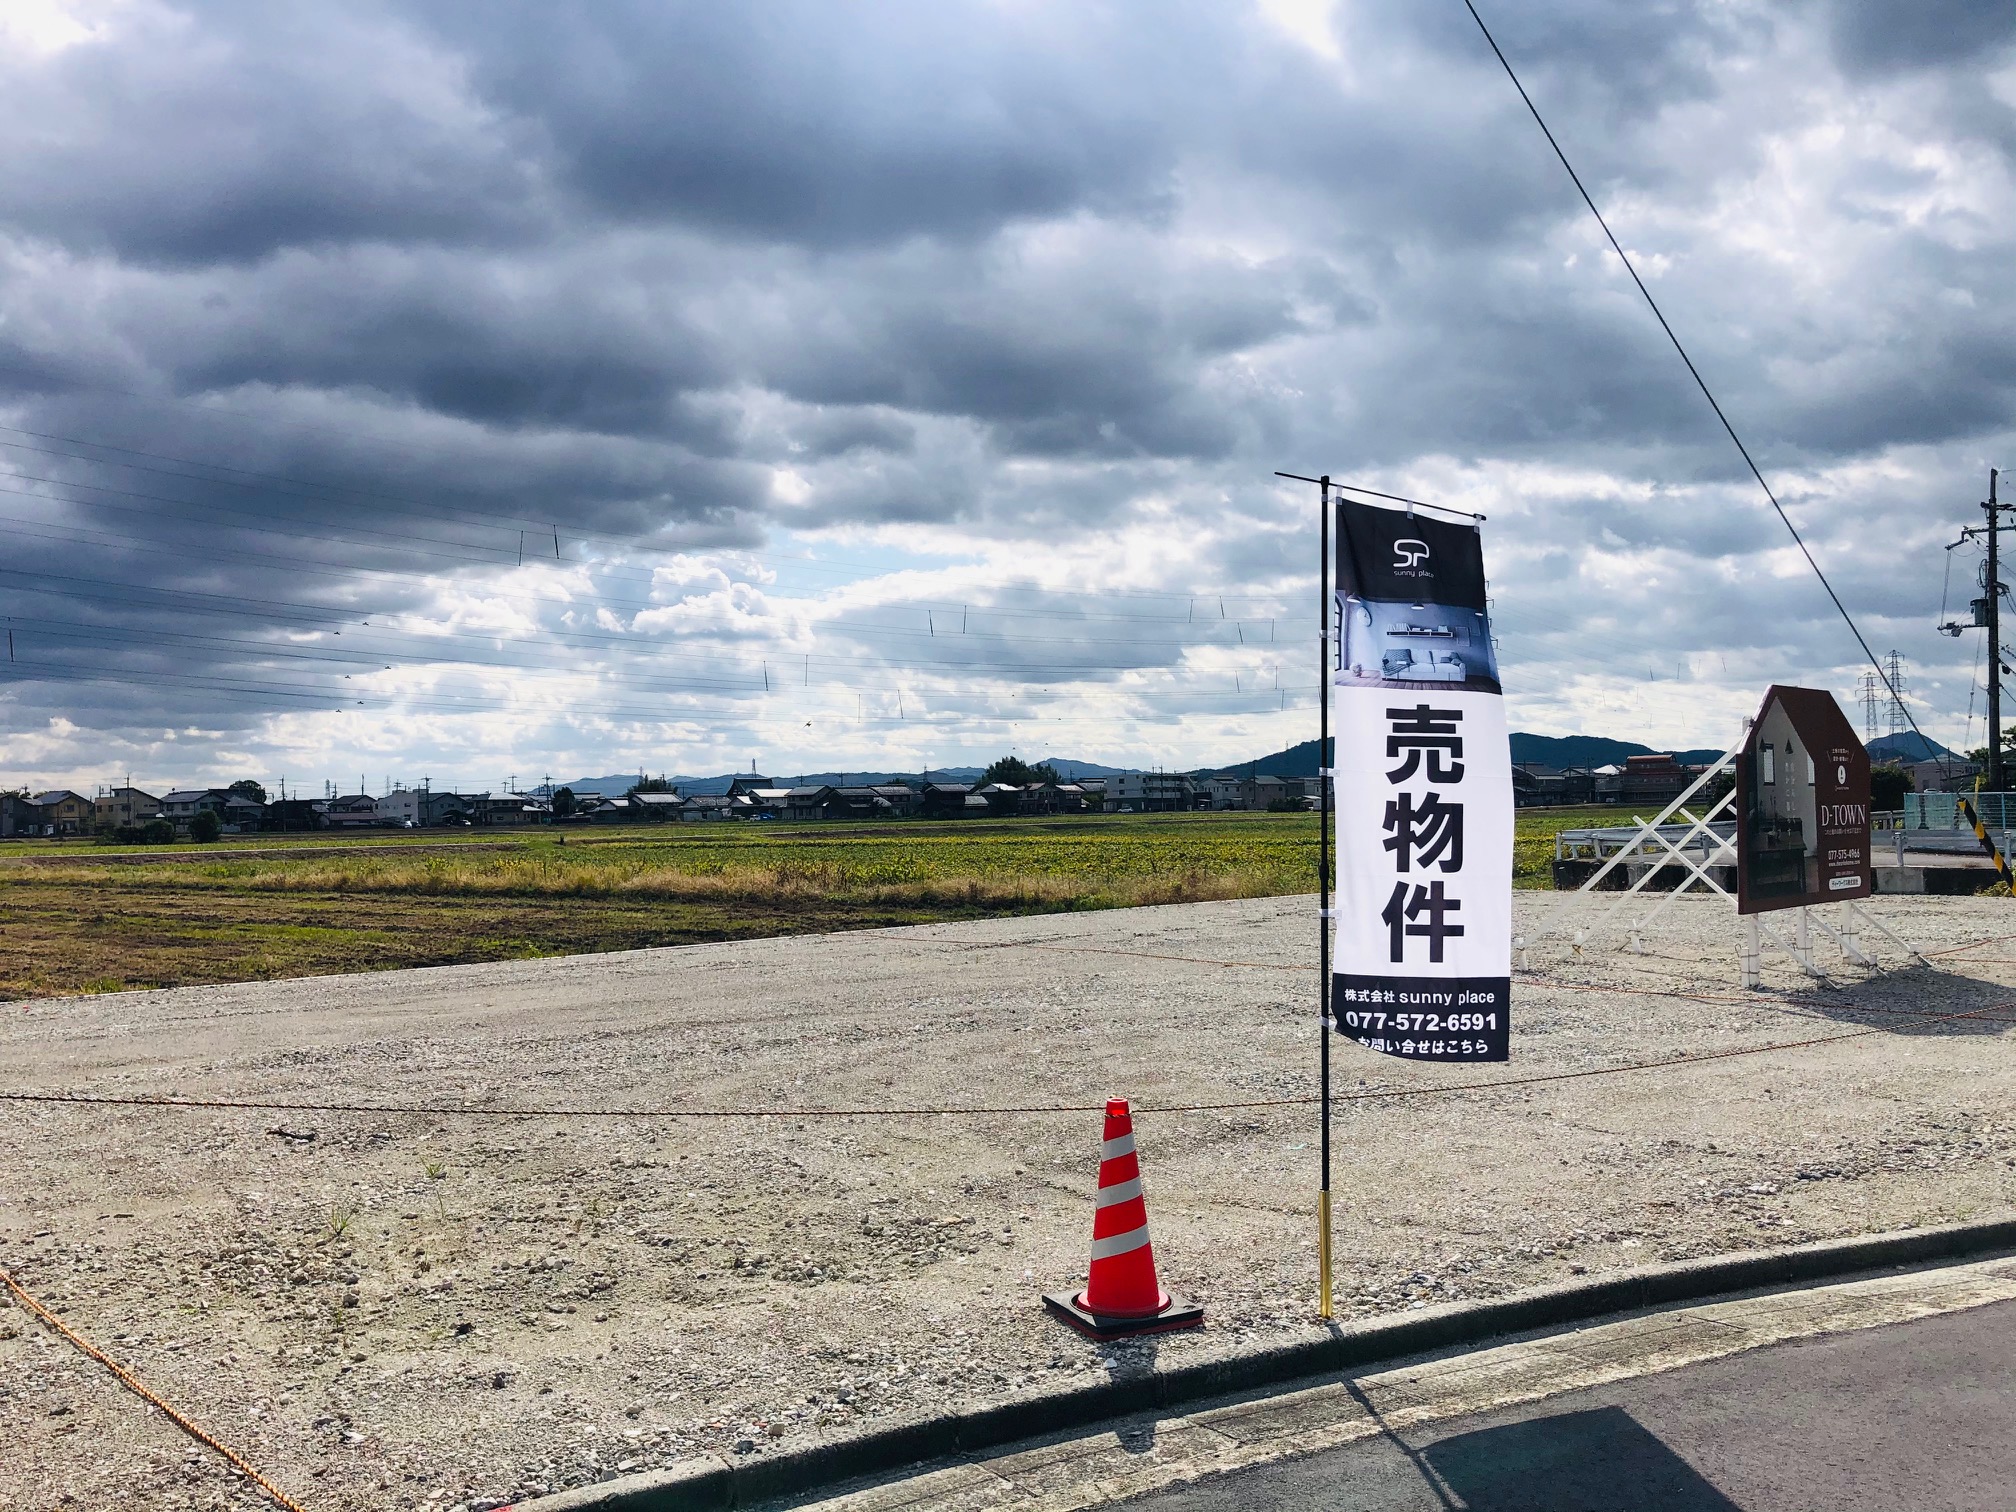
pixel 1700 382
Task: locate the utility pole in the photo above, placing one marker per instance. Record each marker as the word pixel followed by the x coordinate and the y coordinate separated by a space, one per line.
pixel 1994 512
pixel 1987 615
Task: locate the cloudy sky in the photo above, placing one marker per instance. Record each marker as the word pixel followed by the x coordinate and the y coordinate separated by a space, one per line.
pixel 473 391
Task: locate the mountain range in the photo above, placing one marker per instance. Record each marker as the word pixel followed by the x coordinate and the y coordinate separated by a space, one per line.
pixel 1295 761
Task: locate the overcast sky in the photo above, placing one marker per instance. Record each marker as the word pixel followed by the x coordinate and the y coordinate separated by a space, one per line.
pixel 402 390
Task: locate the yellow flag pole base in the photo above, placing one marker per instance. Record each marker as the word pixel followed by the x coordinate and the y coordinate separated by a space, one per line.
pixel 1323 1309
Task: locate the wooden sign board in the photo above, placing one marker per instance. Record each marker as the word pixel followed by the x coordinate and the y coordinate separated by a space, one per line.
pixel 1802 806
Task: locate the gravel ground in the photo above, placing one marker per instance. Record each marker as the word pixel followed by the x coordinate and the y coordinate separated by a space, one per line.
pixel 419 1311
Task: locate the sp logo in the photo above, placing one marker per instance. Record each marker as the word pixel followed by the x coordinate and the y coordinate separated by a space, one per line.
pixel 1409 553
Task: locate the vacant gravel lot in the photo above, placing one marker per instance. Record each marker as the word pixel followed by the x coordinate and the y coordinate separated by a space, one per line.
pixel 397 1310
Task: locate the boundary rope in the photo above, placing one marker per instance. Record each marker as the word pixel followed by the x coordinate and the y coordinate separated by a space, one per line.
pixel 89 1099
pixel 140 1389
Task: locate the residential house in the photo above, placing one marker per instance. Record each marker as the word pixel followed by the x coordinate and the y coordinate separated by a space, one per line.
pixel 422 807
pixel 492 809
pixel 657 808
pixel 291 815
pixel 808 803
pixel 710 808
pixel 608 811
pixel 1229 794
pixel 749 786
pixel 868 802
pixel 64 812
pixel 1003 799
pixel 948 800
pixel 185 804
pixel 18 817
pixel 1066 798
pixel 1154 793
pixel 124 808
pixel 351 811
pixel 1654 780
pixel 1958 775
pixel 901 798
pixel 241 815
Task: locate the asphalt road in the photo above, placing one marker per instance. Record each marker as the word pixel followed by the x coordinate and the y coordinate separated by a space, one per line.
pixel 1911 1418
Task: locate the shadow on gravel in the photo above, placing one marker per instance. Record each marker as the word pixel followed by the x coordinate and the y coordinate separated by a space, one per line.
pixel 1911 1000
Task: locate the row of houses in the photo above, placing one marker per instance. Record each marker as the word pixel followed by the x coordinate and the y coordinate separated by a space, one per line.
pixel 1656 780
pixel 127 809
pixel 62 812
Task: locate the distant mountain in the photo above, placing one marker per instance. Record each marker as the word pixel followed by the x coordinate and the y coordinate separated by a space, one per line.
pixel 1592 751
pixel 616 786
pixel 1296 761
pixel 607 787
pixel 1909 746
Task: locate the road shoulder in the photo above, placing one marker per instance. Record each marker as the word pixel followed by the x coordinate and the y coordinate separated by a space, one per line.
pixel 1151 1453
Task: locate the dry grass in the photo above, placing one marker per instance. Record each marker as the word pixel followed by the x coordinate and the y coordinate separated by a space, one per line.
pixel 82 923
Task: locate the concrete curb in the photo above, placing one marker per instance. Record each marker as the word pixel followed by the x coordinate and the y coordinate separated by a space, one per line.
pixel 710 1482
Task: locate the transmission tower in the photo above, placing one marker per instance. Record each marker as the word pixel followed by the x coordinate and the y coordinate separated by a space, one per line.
pixel 1893 667
pixel 1873 697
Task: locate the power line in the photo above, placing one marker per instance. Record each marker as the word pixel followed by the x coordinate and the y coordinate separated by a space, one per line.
pixel 1699 381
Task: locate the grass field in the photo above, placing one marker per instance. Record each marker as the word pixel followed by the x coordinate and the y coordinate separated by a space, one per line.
pixel 85 918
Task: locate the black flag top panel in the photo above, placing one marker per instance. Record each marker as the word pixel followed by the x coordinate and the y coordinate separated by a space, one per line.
pixel 1423 940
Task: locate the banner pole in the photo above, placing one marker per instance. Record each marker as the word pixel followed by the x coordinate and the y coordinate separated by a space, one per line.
pixel 1324 778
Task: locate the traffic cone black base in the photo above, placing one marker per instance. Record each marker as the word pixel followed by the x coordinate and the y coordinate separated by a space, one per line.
pixel 1178 1312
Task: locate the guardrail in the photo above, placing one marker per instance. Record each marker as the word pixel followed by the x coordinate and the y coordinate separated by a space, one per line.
pixel 1601 844
pixel 1941 811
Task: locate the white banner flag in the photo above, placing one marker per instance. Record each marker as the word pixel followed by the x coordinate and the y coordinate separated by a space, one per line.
pixel 1423 944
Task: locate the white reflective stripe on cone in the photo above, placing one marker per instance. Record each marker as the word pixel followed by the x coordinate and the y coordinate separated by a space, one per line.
pixel 1113 1149
pixel 1120 1244
pixel 1119 1192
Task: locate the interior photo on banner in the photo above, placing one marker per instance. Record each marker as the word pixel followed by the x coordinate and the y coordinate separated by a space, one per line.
pixel 1423 961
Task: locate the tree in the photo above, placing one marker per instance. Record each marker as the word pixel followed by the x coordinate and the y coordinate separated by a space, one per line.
pixel 1013 771
pixel 1887 787
pixel 205 826
pixel 563 803
pixel 245 787
pixel 648 785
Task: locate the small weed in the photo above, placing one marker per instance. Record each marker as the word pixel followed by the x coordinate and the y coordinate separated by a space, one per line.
pixel 435 1170
pixel 339 1222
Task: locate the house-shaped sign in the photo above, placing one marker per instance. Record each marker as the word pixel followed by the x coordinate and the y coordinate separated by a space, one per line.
pixel 1802 805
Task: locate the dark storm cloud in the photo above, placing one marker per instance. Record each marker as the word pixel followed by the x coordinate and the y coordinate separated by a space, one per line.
pixel 206 136
pixel 1872 36
pixel 829 126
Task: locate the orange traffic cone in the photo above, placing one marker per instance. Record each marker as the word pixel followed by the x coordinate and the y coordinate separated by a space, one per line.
pixel 1122 1295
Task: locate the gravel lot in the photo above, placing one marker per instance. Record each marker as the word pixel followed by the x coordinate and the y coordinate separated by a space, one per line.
pixel 453 1311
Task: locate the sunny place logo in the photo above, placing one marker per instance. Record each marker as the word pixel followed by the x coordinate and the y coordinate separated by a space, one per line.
pixel 1409 553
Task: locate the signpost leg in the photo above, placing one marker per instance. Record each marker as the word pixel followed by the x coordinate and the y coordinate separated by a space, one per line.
pixel 1324 778
pixel 1753 966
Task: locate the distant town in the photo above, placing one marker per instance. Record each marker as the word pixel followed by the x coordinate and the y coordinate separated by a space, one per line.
pixel 133 815
pixel 1009 789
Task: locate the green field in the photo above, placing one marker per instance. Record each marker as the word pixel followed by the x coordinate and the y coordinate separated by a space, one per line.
pixel 86 918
